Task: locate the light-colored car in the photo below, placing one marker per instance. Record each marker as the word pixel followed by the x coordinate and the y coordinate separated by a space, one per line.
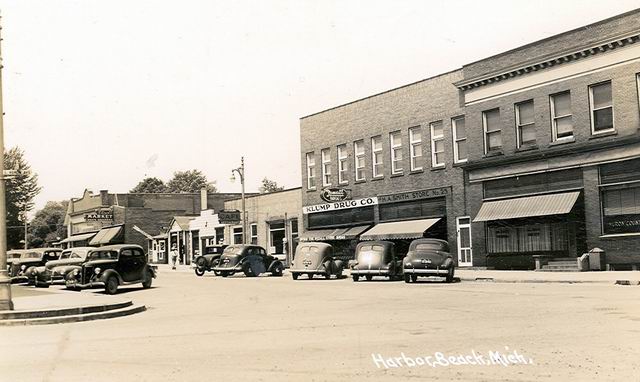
pixel 56 271
pixel 313 258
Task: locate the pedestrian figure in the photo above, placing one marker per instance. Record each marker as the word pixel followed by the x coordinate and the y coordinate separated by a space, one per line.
pixel 174 256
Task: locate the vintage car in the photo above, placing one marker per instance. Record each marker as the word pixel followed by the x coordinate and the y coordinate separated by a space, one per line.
pixel 428 257
pixel 30 259
pixel 211 258
pixel 376 258
pixel 252 260
pixel 315 258
pixel 12 255
pixel 111 266
pixel 56 270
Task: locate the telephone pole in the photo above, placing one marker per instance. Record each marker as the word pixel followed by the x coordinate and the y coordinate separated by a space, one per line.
pixel 5 283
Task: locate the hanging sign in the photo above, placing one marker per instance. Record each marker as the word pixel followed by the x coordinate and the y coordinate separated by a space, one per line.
pixel 335 194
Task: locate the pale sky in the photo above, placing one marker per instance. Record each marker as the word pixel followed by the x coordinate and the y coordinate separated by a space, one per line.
pixel 101 94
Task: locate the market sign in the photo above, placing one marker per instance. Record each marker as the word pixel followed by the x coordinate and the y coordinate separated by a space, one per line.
pixel 229 217
pixel 414 195
pixel 99 215
pixel 364 202
pixel 330 195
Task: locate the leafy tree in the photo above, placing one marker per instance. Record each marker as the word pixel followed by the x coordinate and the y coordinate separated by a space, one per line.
pixel 150 185
pixel 47 226
pixel 189 181
pixel 20 191
pixel 269 186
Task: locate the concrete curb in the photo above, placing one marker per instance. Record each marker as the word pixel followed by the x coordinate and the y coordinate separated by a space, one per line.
pixel 539 281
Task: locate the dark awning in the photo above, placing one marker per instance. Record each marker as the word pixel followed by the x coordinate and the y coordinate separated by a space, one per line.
pixel 79 237
pixel 528 206
pixel 408 229
pixel 333 234
pixel 109 235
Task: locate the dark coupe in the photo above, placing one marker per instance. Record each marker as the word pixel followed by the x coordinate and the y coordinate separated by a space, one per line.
pixel 252 260
pixel 29 260
pixel 210 259
pixel 428 257
pixel 376 258
pixel 111 266
pixel 315 258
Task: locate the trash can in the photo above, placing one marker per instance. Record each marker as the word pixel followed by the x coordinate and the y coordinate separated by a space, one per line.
pixel 596 259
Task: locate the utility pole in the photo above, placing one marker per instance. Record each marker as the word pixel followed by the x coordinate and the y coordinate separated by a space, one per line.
pixel 240 171
pixel 5 283
pixel 25 226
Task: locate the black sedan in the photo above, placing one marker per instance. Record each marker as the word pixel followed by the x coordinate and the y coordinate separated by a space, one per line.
pixel 252 260
pixel 210 259
pixel 428 257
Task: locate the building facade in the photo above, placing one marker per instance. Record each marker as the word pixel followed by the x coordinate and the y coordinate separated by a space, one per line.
pixel 530 154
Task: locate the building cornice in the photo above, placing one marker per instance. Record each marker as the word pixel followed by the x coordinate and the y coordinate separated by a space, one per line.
pixel 555 59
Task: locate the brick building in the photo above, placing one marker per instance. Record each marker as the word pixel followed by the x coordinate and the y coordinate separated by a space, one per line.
pixel 530 154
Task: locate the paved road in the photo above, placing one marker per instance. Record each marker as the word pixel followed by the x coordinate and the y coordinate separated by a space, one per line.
pixel 275 329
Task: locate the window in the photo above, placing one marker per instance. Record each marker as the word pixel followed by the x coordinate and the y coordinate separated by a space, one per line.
pixel 525 124
pixel 311 172
pixel 437 144
pixel 376 156
pixel 527 238
pixel 326 167
pixel 492 133
pixel 601 105
pixel 415 147
pixel 237 235
pixel 358 149
pixel 621 210
pixel 254 233
pixel 294 229
pixel 562 124
pixel 395 141
pixel 459 140
pixel 342 164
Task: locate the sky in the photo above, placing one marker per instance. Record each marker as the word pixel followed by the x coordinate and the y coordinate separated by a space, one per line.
pixel 101 94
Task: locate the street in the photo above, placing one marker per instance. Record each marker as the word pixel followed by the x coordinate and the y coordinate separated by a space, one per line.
pixel 268 329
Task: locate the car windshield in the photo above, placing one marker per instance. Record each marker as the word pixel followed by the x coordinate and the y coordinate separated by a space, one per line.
pixel 309 249
pixel 370 256
pixel 212 250
pixel 103 255
pixel 32 255
pixel 65 255
pixel 14 255
pixel 429 247
pixel 233 250
pixel 78 254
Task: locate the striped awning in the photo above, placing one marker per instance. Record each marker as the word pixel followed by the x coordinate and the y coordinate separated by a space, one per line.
pixel 409 229
pixel 333 234
pixel 528 206
pixel 109 235
pixel 80 237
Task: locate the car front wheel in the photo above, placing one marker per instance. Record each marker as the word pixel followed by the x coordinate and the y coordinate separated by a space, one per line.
pixel 407 278
pixel 294 275
pixel 277 270
pixel 111 286
pixel 199 272
pixel 214 264
pixel 450 275
pixel 355 277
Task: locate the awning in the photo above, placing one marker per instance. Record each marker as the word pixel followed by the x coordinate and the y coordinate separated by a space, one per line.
pixel 109 235
pixel 529 206
pixel 333 234
pixel 80 237
pixel 409 229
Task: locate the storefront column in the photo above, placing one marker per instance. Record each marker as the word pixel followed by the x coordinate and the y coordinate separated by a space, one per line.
pixel 592 206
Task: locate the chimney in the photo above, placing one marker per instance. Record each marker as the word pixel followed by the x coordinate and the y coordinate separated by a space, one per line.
pixel 203 198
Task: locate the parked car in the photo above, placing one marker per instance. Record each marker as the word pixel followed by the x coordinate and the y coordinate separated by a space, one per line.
pixel 428 257
pixel 210 258
pixel 30 259
pixel 315 258
pixel 13 255
pixel 111 266
pixel 376 258
pixel 56 271
pixel 252 260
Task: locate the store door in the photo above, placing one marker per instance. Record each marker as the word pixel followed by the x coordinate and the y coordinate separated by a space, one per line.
pixel 465 256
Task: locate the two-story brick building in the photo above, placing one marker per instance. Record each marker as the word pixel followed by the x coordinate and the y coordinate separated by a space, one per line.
pixel 532 153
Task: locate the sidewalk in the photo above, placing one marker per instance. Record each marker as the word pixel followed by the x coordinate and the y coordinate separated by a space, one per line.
pixel 179 268
pixel 606 277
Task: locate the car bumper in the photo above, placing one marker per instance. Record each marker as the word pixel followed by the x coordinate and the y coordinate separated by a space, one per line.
pixel 426 272
pixel 19 279
pixel 237 268
pixel 314 271
pixel 373 272
pixel 78 285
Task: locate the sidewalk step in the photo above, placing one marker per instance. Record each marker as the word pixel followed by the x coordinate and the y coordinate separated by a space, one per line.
pixel 125 311
pixel 559 270
pixel 58 312
pixel 563 263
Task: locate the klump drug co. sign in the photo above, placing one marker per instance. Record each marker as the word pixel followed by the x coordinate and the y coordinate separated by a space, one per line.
pixel 364 202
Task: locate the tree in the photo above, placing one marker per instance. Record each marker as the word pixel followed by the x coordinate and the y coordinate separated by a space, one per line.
pixel 269 186
pixel 20 191
pixel 189 181
pixel 150 185
pixel 47 226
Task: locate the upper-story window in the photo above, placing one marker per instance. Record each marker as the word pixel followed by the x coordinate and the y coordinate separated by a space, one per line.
pixel 254 233
pixel 492 132
pixel 342 164
pixel 395 142
pixel 437 144
pixel 601 105
pixel 562 123
pixel 311 172
pixel 359 159
pixel 376 156
pixel 525 124
pixel 326 166
pixel 415 148
pixel 459 140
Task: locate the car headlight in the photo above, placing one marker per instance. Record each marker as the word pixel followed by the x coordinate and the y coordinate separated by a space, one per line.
pixel 97 271
pixel 75 272
pixel 407 264
pixel 23 267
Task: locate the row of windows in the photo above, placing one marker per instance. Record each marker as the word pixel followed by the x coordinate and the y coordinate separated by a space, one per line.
pixel 600 108
pixel 396 154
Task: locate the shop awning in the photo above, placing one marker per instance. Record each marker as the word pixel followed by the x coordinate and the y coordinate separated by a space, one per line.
pixel 409 229
pixel 529 206
pixel 333 234
pixel 109 235
pixel 80 237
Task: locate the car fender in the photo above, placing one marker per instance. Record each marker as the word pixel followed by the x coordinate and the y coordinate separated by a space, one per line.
pixel 273 264
pixel 206 263
pixel 108 273
pixel 151 269
pixel 339 264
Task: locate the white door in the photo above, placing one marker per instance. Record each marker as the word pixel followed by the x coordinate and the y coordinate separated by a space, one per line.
pixel 464 241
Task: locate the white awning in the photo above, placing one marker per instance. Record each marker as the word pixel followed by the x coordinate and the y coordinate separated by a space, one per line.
pixel 528 206
pixel 408 229
pixel 79 237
